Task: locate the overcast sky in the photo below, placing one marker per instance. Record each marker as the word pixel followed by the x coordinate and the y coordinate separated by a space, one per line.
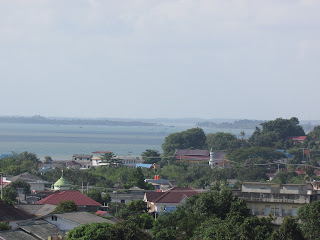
pixel 257 59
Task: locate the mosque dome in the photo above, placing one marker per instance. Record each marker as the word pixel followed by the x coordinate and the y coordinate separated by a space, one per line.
pixel 62 184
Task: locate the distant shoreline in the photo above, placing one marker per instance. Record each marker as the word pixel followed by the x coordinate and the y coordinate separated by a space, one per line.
pixel 42 120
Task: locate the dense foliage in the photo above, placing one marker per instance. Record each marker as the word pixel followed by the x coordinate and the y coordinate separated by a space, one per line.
pixel 19 163
pixel 101 231
pixel 275 133
pixel 211 215
pixel 191 138
pixel 66 206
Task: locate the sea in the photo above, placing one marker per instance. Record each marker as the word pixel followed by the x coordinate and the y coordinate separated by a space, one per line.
pixel 61 142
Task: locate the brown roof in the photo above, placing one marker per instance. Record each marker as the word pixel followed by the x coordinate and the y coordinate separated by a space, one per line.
pixel 196 152
pixel 175 195
pixel 10 213
pixel 151 196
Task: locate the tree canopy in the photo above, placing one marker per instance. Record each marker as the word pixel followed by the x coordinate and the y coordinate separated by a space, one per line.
pixel 66 206
pixel 191 138
pixel 274 133
pixel 223 141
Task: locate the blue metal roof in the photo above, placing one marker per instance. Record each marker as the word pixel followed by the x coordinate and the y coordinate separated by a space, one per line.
pixel 284 152
pixel 143 165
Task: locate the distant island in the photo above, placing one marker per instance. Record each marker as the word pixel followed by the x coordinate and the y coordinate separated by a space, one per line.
pixel 37 119
pixel 239 124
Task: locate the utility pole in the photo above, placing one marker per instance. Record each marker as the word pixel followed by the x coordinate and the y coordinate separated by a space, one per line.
pixel 1 186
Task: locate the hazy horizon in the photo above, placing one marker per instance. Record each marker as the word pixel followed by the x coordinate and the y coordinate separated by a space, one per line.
pixel 146 59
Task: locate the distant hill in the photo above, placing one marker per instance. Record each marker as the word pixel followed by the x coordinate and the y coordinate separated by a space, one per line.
pixel 42 120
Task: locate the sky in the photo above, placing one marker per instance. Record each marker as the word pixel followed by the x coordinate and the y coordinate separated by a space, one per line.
pixel 249 59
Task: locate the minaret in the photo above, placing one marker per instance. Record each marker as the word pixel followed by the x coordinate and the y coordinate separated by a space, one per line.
pixel 211 161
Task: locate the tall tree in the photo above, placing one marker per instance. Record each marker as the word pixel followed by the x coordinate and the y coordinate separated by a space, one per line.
pixel 191 138
pixel 151 156
pixel 309 215
pixel 222 141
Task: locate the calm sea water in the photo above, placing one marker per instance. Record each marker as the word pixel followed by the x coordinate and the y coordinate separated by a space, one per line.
pixel 62 141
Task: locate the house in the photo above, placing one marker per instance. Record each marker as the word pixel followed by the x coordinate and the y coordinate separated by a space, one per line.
pixel 213 158
pixel 82 201
pixel 131 194
pixel 169 200
pixel 84 160
pixel 81 157
pixel 70 220
pixel 36 183
pixel 12 215
pixel 276 199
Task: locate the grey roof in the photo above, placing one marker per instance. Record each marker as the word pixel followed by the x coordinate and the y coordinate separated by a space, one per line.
pixel 15 235
pixel 82 217
pixel 160 181
pixel 37 210
pixel 40 228
pixel 219 155
pixel 10 213
pixel 27 177
pixel 82 156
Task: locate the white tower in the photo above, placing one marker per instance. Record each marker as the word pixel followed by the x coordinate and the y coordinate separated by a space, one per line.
pixel 211 161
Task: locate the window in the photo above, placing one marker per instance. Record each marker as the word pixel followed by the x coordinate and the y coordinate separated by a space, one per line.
pixel 54 218
pixel 267 210
pixel 294 211
pixel 123 201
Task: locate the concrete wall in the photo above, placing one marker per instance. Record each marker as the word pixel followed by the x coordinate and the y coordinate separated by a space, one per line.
pixel 276 209
pixel 294 189
pixel 261 188
pixel 62 224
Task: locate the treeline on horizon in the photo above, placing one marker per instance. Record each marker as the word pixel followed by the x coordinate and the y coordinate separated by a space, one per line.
pixel 37 119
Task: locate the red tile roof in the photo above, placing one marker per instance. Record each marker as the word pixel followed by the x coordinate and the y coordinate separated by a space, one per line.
pixel 175 195
pixel 297 138
pixel 77 197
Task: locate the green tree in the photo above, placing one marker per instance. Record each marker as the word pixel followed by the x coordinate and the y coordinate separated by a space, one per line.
pixel 274 133
pixel 309 215
pixel 21 184
pixel 47 159
pixel 151 156
pixel 66 206
pixel 103 231
pixel 222 141
pixel 10 194
pixel 255 155
pixel 289 230
pixel 4 226
pixel 191 138
pixel 95 195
